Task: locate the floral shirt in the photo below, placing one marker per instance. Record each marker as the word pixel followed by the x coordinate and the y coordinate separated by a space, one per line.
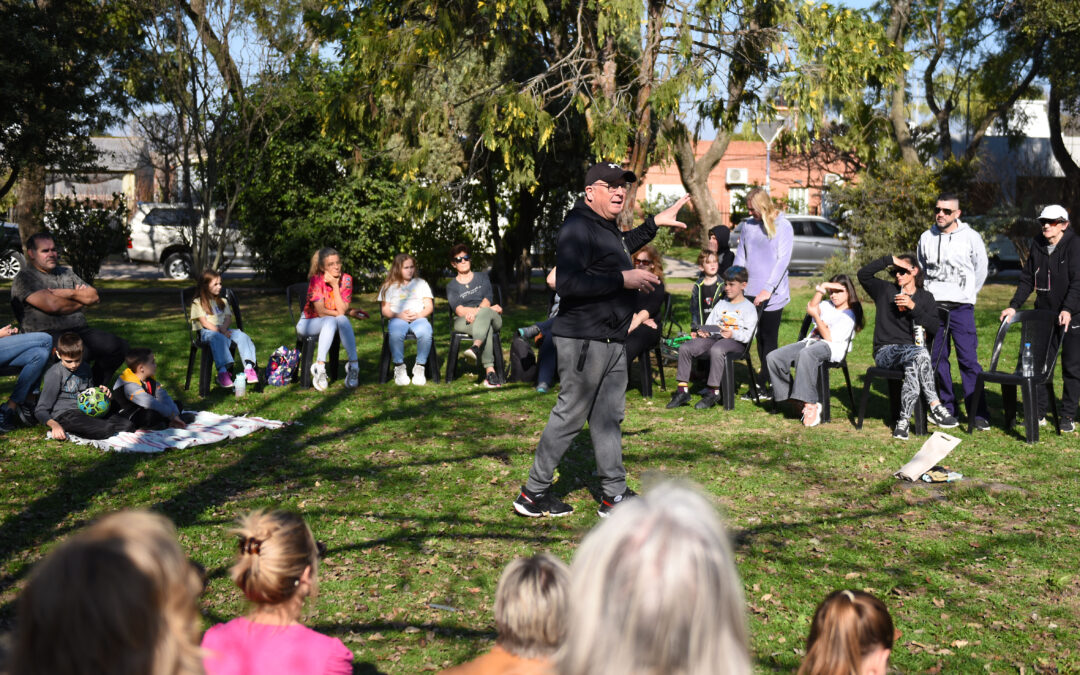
pixel 318 289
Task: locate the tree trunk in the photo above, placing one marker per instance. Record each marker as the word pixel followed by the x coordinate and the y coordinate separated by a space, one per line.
pixel 896 32
pixel 30 201
pixel 695 172
pixel 1071 195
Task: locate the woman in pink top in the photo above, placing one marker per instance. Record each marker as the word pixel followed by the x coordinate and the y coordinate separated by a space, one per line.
pixel 326 312
pixel 276 570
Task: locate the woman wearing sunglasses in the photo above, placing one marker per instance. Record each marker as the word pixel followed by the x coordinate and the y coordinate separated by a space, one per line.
pixel 902 307
pixel 472 300
pixel 645 327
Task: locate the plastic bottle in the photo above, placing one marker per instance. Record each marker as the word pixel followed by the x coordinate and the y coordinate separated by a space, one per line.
pixel 1027 361
pixel 240 385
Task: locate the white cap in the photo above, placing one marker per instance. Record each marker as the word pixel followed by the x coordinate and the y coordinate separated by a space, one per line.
pixel 1054 212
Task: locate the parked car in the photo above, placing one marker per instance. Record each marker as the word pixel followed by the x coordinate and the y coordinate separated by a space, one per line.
pixel 1001 256
pixel 161 234
pixel 11 253
pixel 816 240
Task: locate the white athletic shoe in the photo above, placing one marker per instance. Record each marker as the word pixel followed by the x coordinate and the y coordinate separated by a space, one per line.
pixel 352 375
pixel 419 378
pixel 401 375
pixel 318 377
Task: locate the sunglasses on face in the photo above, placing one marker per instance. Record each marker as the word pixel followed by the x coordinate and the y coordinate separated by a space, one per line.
pixel 1051 222
pixel 461 259
pixel 938 209
pixel 642 261
pixel 899 270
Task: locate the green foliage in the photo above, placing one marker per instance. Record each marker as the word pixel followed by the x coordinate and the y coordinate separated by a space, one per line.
pixel 886 213
pixel 87 232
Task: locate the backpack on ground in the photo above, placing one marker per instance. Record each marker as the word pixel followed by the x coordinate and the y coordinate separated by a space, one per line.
pixel 281 367
pixel 522 361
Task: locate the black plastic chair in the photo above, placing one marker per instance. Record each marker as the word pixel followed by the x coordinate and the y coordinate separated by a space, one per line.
pixel 823 386
pixel 456 339
pixel 307 346
pixel 895 379
pixel 644 361
pixel 431 368
pixel 1039 327
pixel 17 312
pixel 206 361
pixel 727 386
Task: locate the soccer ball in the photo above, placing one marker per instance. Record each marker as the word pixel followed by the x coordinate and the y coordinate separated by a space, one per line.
pixel 93 402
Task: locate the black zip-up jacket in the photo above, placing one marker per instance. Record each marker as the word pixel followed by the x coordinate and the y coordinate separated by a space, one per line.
pixel 591 254
pixel 1055 277
pixel 699 311
pixel 893 327
pixel 724 254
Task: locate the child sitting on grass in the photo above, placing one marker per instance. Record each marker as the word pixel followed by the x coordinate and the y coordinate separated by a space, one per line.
pixel 728 328
pixel 140 398
pixel 58 406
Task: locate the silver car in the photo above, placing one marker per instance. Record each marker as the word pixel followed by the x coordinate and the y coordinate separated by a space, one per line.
pixel 816 240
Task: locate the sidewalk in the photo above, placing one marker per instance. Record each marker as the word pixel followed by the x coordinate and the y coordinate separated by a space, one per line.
pixel 126 270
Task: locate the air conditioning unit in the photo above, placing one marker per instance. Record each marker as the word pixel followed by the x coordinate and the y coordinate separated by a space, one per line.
pixel 832 179
pixel 738 176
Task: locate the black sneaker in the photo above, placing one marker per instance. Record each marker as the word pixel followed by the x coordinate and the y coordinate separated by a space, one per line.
pixel 708 400
pixel 1066 426
pixel 7 419
pixel 982 424
pixel 901 430
pixel 539 504
pixel 940 416
pixel 763 394
pixel 608 503
pixel 471 355
pixel 492 381
pixel 679 398
pixel 529 332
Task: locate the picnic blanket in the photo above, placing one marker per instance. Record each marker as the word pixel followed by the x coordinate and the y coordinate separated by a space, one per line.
pixel 205 429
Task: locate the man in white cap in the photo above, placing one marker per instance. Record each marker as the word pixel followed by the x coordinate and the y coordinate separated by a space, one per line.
pixel 1052 270
pixel 597 284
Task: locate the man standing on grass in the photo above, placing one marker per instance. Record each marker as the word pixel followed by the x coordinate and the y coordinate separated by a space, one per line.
pixel 596 283
pixel 953 257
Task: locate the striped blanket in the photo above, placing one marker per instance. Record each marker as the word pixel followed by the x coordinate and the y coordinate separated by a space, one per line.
pixel 207 428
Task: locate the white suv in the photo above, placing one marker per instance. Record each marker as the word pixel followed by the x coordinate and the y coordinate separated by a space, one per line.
pixel 160 234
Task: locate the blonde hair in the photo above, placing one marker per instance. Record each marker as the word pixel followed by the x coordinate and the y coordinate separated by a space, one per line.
pixel 847 627
pixel 759 200
pixel 123 598
pixel 275 548
pixel 531 605
pixel 657 266
pixel 654 590
pixel 395 277
pixel 318 261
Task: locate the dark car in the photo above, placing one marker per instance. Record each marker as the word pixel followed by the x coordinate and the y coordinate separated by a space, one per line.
pixel 11 256
pixel 816 240
pixel 1001 256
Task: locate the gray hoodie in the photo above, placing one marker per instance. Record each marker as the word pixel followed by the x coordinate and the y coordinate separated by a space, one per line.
pixel 954 263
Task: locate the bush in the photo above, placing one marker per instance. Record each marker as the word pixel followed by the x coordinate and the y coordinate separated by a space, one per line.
pixel 88 232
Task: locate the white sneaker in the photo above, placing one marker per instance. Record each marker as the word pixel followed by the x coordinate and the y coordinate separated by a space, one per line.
pixel 352 375
pixel 419 378
pixel 318 376
pixel 401 375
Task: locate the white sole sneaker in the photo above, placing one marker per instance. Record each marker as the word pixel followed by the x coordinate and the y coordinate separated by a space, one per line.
pixel 401 376
pixel 318 377
pixel 419 378
pixel 352 376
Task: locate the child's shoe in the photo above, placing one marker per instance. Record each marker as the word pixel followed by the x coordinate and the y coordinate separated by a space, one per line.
pixel 224 379
pixel 251 376
pixel 419 377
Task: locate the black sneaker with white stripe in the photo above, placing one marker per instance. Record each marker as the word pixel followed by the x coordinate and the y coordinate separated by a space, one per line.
pixel 608 503
pixel 940 416
pixel 539 504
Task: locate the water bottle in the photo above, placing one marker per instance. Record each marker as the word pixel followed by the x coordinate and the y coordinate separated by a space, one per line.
pixel 920 335
pixel 1027 361
pixel 240 385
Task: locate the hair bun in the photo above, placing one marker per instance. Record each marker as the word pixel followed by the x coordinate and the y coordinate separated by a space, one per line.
pixel 250 545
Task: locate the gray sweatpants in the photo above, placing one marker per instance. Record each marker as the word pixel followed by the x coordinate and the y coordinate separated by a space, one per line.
pixel 592 388
pixel 807 358
pixel 717 350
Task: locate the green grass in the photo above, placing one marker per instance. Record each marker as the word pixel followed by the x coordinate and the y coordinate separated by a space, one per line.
pixel 411 488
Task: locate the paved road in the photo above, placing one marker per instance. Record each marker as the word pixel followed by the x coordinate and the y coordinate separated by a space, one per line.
pixel 122 270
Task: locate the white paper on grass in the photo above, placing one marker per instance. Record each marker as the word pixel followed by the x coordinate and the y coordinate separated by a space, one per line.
pixel 935 449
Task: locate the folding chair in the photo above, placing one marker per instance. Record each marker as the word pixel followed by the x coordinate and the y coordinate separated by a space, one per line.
pixel 645 362
pixel 823 389
pixel 727 386
pixel 431 368
pixel 1039 327
pixel 206 361
pixel 456 339
pixel 17 312
pixel 308 345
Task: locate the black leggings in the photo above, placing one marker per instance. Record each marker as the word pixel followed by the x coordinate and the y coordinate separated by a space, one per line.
pixel 94 428
pixel 768 333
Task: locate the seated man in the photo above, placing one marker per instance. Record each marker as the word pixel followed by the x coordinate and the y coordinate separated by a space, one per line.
pixel 53 298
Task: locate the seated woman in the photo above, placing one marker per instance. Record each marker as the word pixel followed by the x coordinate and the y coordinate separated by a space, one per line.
pixel 472 300
pixel 644 331
pixel 277 569
pixel 30 353
pixel 901 308
pixel 407 303
pixel 117 597
pixel 834 322
pixel 327 311
pixel 851 632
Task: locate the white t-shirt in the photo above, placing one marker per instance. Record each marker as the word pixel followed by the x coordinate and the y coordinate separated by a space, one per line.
pixel 841 326
pixel 407 296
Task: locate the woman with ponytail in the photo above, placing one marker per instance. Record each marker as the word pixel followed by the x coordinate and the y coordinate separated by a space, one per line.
pixel 851 634
pixel 276 568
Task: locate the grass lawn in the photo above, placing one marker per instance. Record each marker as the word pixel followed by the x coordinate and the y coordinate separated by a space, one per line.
pixel 411 488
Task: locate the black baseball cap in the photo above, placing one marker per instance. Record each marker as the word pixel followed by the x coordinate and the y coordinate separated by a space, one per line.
pixel 610 173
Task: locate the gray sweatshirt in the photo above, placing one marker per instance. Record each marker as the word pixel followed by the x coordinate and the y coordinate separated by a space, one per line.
pixel 954 263
pixel 60 390
pixel 147 394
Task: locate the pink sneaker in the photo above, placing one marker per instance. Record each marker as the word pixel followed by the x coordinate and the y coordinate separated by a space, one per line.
pixel 224 379
pixel 251 375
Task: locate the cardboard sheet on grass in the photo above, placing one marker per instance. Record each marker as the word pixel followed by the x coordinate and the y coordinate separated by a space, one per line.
pixel 205 429
pixel 935 449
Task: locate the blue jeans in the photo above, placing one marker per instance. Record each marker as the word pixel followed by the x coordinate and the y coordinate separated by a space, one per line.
pixel 220 347
pixel 324 327
pixel 399 328
pixel 29 351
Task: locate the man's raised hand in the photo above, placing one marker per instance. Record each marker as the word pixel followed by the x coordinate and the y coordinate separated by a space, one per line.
pixel 669 216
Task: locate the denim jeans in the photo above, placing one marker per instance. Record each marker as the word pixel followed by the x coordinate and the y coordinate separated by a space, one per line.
pixel 29 351
pixel 324 327
pixel 399 328
pixel 220 347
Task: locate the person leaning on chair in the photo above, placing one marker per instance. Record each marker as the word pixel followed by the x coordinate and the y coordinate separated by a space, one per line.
pixel 1052 270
